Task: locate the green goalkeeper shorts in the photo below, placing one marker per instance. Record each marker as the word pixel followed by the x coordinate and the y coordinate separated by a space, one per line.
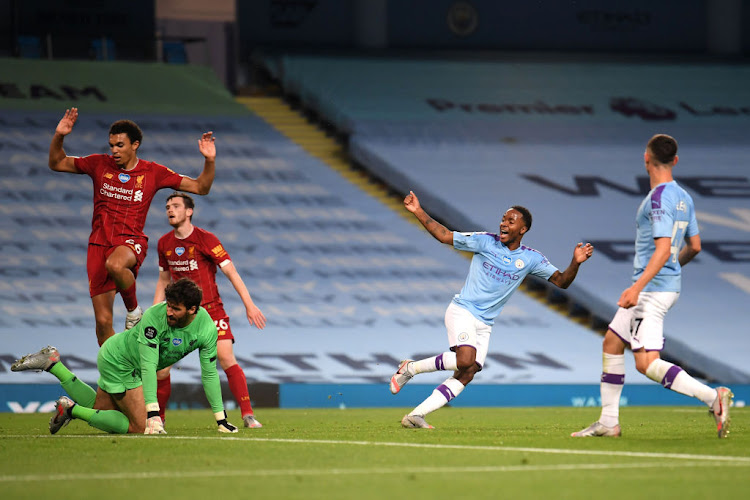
pixel 116 375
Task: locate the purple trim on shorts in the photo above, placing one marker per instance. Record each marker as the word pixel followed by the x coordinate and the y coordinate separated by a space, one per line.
pixel 670 376
pixel 439 362
pixel 620 336
pixel 446 392
pixel 613 378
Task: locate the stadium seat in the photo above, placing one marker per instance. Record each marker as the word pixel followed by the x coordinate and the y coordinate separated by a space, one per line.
pixel 103 49
pixel 174 53
pixel 29 47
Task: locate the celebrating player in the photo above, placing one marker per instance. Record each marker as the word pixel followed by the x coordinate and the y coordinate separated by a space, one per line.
pixel 665 222
pixel 499 265
pixel 127 365
pixel 124 186
pixel 192 252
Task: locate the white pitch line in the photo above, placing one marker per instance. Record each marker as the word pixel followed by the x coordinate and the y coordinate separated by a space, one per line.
pixel 340 472
pixel 558 451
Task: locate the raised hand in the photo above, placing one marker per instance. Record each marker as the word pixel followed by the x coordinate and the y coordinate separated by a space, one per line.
pixel 583 252
pixel 66 123
pixel 207 145
pixel 411 202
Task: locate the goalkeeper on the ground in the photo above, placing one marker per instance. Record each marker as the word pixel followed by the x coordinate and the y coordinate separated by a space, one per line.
pixel 127 364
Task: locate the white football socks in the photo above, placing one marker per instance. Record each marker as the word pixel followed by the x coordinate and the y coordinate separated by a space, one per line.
pixel 443 393
pixel 445 361
pixel 613 380
pixel 675 378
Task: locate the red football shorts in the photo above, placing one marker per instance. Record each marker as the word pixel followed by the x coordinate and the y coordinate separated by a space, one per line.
pixel 221 320
pixel 99 280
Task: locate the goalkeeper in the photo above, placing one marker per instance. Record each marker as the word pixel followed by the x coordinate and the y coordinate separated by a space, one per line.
pixel 128 362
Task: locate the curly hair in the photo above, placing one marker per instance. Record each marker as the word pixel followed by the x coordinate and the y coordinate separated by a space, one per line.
pixel 184 291
pixel 128 128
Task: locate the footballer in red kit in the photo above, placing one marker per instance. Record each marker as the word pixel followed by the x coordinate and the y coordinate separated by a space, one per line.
pixel 121 203
pixel 197 257
pixel 124 187
pixel 191 252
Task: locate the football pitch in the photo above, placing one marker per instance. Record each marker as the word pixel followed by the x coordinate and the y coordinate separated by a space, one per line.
pixel 665 452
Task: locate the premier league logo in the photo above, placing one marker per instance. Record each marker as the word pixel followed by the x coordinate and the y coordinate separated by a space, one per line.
pixel 179 251
pixel 123 178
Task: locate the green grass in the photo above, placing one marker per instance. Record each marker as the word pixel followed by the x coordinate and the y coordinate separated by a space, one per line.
pixel 365 454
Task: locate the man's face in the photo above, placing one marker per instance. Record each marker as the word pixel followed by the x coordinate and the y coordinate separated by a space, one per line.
pixel 178 316
pixel 123 151
pixel 177 213
pixel 512 226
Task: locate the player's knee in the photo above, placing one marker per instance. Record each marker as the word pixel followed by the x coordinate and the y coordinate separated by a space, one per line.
pixel 103 326
pixel 467 360
pixel 226 361
pixel 613 344
pixel 113 267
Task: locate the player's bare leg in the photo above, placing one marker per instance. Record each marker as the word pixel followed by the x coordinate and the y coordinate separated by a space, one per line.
pixel 131 404
pixel 103 305
pixel 119 265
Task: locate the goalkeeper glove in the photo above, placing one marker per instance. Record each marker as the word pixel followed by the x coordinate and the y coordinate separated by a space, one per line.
pixel 221 421
pixel 154 424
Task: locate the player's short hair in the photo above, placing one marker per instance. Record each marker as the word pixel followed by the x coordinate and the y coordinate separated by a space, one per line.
pixel 186 199
pixel 525 214
pixel 128 128
pixel 184 291
pixel 663 148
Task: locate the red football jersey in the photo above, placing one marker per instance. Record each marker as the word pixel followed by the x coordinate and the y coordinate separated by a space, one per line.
pixel 122 198
pixel 195 257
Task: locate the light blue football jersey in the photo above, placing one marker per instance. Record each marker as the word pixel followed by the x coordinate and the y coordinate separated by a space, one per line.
pixel 495 273
pixel 666 212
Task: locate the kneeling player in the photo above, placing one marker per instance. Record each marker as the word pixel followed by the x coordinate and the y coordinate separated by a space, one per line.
pixel 127 364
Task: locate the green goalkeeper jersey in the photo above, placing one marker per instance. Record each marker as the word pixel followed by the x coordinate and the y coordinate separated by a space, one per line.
pixel 152 345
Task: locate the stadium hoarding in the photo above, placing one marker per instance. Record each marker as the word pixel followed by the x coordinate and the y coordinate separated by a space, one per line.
pixel 40 398
pixel 98 87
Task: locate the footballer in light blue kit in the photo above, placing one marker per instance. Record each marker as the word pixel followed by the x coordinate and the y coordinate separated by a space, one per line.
pixel 499 265
pixel 667 211
pixel 666 239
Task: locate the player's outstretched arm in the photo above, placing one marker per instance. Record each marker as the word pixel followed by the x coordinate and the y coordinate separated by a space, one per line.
pixel 254 314
pixel 581 254
pixel 437 230
pixel 202 184
pixel 58 160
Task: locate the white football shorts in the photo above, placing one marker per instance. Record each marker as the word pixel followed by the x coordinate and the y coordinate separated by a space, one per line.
pixel 643 324
pixel 464 329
